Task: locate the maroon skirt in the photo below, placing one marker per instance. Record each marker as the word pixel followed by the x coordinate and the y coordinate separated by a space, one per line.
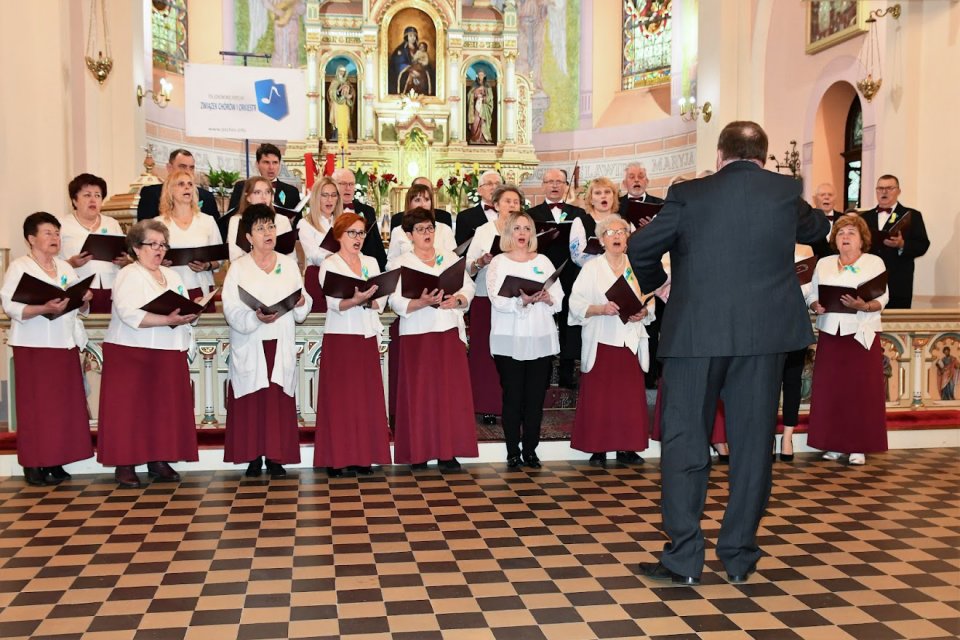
pixel 487 394
pixel 351 419
pixel 102 300
pixel 719 433
pixel 611 414
pixel 53 426
pixel 434 419
pixel 146 407
pixel 197 292
pixel 847 405
pixel 262 423
pixel 311 282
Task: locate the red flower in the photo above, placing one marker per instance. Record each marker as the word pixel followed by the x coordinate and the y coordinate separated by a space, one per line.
pixel 440 183
pixel 452 180
pixel 389 177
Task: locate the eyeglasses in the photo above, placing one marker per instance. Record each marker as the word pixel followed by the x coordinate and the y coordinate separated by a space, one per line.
pixel 156 246
pixel 886 189
pixel 353 233
pixel 615 232
pixel 554 182
pixel 264 228
pixel 346 184
pixel 425 229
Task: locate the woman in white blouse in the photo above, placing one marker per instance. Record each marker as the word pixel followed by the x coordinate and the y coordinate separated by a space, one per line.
pixel 434 415
pixel 523 334
pixel 601 202
pixel 256 190
pixel 180 212
pixel 261 404
pixel 87 193
pixel 53 428
pixel 487 394
pixel 614 355
pixel 325 206
pixel 351 417
pixel 146 401
pixel 419 196
pixel 847 410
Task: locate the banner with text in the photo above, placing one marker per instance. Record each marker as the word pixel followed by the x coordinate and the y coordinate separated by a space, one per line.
pixel 223 101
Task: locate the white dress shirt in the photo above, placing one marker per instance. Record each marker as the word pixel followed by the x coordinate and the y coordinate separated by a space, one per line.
pixel 518 331
pixel 311 238
pixel 430 319
pixel 135 287
pixel 482 243
pixel 556 210
pixel 73 235
pixel 589 289
pixel 399 242
pixel 355 320
pixel 63 332
pixel 864 325
pixel 578 242
pixel 283 226
pixel 202 232
pixel 248 364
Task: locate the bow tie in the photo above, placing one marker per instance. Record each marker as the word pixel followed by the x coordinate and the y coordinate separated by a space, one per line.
pixel 348 207
pixel 635 199
pixel 884 209
pixel 488 208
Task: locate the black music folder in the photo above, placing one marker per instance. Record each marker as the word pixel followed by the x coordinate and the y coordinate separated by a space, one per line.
pixel 899 226
pixel 804 269
pixel 513 285
pixel 286 242
pixel 33 291
pixel 165 303
pixel 637 212
pixel 449 281
pixel 330 243
pixel 621 293
pixel 563 229
pixel 103 247
pixel 185 255
pixel 337 285
pixel 593 247
pixel 288 303
pixel 829 295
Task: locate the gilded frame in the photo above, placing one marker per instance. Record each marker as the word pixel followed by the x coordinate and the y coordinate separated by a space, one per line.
pixel 440 58
pixel 827 40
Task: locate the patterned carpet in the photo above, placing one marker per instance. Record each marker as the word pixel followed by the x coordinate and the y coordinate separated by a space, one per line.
pixel 868 553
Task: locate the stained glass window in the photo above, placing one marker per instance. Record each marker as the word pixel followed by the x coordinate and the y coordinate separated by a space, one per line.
pixel 169 26
pixel 647 43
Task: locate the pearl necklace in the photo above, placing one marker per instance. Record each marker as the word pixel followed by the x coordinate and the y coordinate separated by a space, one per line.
pixel 50 271
pixel 91 227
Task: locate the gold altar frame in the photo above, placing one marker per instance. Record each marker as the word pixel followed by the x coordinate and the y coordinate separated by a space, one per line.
pixel 440 28
pixel 836 37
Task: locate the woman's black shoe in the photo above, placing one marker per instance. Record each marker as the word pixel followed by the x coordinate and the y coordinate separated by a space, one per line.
pixel 363 471
pixel 488 419
pixel 35 476
pixel 786 457
pixel 513 462
pixel 450 465
pixel 275 469
pixel 59 473
pixel 532 461
pixel 599 459
pixel 255 468
pixel 629 457
pixel 419 466
pixel 333 472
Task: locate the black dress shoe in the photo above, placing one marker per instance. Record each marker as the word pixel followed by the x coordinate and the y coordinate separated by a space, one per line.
pixel 419 466
pixel 629 457
pixel 275 469
pixel 126 477
pixel 740 578
pixel 362 471
pixel 488 419
pixel 786 457
pixel 35 476
pixel 599 459
pixel 532 461
pixel 451 465
pixel 333 472
pixel 162 472
pixel 255 468
pixel 59 473
pixel 659 572
pixel 513 462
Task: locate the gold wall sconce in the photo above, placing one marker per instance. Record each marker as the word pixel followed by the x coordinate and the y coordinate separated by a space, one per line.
pixel 690 110
pixel 161 98
pixel 869 57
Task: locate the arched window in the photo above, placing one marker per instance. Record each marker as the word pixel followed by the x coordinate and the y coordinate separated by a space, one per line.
pixel 647 43
pixel 169 29
pixel 852 155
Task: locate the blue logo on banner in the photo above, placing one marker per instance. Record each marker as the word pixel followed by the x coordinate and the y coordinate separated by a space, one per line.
pixel 272 99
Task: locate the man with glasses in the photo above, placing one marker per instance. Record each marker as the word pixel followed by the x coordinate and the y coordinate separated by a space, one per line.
pixel 900 248
pixel 554 208
pixel 180 160
pixel 373 243
pixel 470 219
pixel 285 196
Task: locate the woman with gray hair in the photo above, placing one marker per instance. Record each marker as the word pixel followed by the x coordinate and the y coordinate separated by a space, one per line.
pixel 614 354
pixel 154 424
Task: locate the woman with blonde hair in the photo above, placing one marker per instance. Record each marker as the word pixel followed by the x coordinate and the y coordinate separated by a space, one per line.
pixel 325 207
pixel 180 213
pixel 601 202
pixel 256 190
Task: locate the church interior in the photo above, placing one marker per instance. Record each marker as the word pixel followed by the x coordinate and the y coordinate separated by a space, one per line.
pixel 849 92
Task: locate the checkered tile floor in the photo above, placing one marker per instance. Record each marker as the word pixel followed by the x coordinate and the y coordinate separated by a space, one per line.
pixel 869 553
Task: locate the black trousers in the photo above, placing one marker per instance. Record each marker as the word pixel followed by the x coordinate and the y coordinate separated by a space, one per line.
pixel 750 388
pixel 524 384
pixel 652 375
pixel 569 341
pixel 792 384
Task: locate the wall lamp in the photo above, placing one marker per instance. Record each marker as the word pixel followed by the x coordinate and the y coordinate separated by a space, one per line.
pixel 690 110
pixel 160 99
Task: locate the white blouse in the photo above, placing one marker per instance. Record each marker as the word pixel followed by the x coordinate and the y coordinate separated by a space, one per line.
pixel 311 238
pixel 248 365
pixel 482 243
pixel 202 232
pixel 400 244
pixel 864 325
pixel 590 288
pixel 72 237
pixel 283 226
pixel 63 332
pixel 578 242
pixel 135 287
pixel 355 320
pixel 430 319
pixel 522 332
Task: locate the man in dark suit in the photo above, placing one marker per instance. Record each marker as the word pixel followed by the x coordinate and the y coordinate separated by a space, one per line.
pixel 825 199
pixel 555 209
pixel 285 195
pixel 439 215
pixel 180 160
pixel 901 248
pixel 469 219
pixel 731 240
pixel 373 243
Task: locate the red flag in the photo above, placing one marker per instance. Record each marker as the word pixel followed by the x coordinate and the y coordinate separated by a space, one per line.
pixel 330 164
pixel 310 167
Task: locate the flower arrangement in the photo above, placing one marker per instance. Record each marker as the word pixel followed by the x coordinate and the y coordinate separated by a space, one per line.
pixel 372 188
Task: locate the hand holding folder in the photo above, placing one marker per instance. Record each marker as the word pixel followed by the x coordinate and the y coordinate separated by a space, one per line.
pixel 33 291
pixel 897 228
pixel 169 302
pixel 337 285
pixel 640 214
pixel 414 282
pixel 623 295
pixel 288 303
pixel 829 295
pixel 513 286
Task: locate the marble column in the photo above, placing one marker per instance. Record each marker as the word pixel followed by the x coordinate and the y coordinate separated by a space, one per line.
pixel 369 89
pixel 510 103
pixel 313 94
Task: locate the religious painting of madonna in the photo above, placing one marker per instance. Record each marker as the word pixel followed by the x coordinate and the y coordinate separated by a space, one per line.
pixel 412 64
pixel 832 21
pixel 480 94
